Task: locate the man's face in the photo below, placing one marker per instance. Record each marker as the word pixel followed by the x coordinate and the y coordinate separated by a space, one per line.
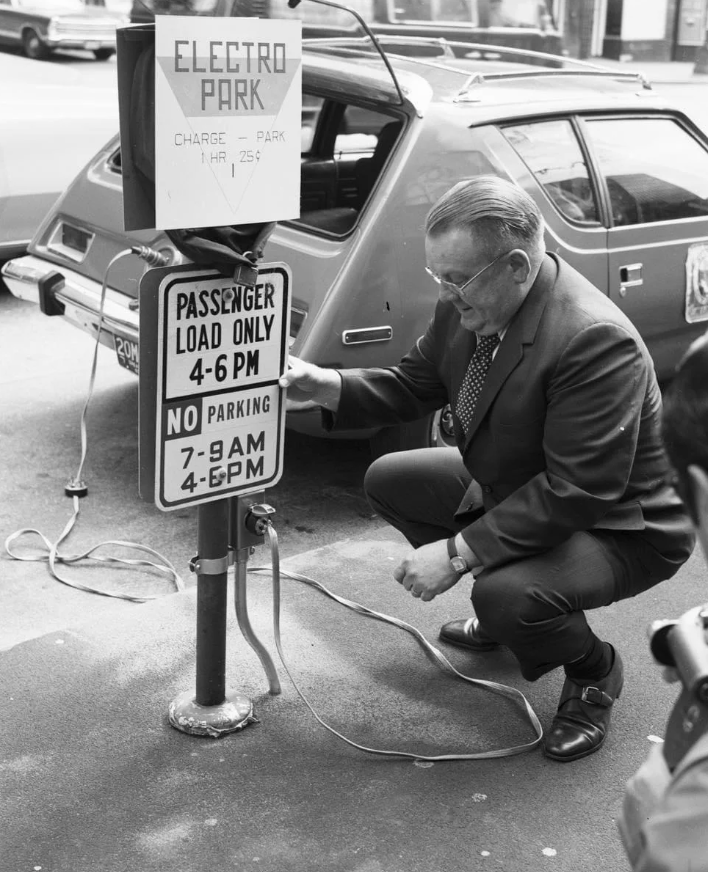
pixel 490 300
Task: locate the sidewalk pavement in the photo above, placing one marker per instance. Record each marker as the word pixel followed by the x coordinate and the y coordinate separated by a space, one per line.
pixel 95 778
pixel 659 73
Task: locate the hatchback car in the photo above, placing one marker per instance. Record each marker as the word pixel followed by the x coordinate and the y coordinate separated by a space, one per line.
pixel 620 175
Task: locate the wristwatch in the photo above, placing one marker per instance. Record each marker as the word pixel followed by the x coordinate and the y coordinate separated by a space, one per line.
pixel 459 564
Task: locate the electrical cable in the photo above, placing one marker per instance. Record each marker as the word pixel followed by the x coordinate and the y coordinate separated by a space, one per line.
pixel 76 488
pixel 437 656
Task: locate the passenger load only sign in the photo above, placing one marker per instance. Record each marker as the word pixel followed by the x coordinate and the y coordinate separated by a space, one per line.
pixel 210 387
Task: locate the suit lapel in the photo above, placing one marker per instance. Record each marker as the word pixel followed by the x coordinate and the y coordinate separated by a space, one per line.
pixel 521 331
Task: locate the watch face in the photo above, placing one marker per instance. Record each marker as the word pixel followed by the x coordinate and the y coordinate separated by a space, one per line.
pixel 458 564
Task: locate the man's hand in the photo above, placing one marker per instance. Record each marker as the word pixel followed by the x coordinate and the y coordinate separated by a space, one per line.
pixel 426 572
pixel 308 384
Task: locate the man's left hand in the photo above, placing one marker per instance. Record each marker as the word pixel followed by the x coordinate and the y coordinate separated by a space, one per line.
pixel 426 572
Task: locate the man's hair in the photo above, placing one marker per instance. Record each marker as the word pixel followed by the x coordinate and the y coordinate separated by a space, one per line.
pixel 685 416
pixel 499 211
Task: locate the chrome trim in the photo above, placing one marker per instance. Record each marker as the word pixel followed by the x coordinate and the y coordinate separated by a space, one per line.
pixel 80 296
pixel 363 334
pixel 662 244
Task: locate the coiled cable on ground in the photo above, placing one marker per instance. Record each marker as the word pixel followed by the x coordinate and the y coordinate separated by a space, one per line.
pixel 77 488
pixel 437 656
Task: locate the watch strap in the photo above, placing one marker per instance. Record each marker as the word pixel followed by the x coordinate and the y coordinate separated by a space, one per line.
pixel 458 563
pixel 452 548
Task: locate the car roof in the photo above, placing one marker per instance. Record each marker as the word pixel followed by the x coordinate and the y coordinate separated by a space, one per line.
pixel 482 85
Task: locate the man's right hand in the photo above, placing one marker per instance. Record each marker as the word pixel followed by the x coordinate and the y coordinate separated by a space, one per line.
pixel 309 385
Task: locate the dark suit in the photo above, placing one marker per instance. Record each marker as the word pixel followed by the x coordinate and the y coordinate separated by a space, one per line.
pixel 564 450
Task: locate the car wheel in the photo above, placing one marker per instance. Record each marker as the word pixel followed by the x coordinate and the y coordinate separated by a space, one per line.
pixel 102 54
pixel 34 47
pixel 433 431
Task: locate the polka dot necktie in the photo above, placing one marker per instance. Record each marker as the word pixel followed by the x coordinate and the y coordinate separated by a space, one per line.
pixel 474 378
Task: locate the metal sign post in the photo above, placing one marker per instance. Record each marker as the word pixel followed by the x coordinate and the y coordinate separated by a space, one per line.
pixel 227 106
pixel 212 419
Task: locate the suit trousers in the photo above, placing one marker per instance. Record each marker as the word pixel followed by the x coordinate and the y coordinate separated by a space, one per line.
pixel 535 605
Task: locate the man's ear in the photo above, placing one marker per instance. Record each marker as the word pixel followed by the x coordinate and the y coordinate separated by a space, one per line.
pixel 520 264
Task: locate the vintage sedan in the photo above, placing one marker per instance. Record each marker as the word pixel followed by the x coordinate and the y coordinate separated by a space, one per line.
pixel 40 27
pixel 620 175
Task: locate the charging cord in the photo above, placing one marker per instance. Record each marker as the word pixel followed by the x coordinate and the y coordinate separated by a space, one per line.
pixel 437 656
pixel 76 487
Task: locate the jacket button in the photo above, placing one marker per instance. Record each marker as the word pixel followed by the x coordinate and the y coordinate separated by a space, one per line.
pixel 486 488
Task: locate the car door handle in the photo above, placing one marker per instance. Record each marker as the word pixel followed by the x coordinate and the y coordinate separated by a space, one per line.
pixel 630 277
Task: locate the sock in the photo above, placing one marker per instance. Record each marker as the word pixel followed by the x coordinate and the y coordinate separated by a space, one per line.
pixel 595 664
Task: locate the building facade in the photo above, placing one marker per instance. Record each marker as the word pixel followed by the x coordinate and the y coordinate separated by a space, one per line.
pixel 649 30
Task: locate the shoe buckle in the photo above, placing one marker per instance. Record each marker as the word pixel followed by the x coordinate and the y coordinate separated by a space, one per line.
pixel 595 696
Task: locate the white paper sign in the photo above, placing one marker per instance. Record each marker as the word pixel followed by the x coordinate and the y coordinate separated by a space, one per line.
pixel 228 100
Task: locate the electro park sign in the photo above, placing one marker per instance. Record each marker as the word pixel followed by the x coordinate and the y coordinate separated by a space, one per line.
pixel 228 101
pixel 212 415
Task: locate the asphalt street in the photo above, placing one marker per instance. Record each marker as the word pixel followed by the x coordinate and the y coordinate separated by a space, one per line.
pixel 93 776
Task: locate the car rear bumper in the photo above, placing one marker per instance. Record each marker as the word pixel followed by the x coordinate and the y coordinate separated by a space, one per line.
pixel 80 297
pixel 81 42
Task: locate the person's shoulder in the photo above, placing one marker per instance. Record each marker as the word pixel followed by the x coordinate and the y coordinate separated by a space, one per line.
pixel 695 763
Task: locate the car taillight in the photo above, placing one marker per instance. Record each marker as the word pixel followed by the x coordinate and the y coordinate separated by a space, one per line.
pixel 70 242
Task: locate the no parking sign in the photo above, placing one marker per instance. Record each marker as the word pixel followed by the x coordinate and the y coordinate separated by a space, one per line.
pixel 212 415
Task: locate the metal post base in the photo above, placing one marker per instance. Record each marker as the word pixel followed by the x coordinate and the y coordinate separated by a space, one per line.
pixel 234 713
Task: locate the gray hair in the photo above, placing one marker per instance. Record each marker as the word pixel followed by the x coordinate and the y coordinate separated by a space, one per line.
pixel 496 209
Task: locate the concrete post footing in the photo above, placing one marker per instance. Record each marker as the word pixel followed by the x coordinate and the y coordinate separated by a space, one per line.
pixel 214 721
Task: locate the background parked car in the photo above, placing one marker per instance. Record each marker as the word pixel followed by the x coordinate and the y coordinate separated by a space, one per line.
pixel 40 27
pixel 620 175
pixel 51 126
pixel 512 23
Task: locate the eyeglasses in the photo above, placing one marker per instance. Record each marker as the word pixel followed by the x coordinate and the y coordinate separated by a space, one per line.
pixel 459 289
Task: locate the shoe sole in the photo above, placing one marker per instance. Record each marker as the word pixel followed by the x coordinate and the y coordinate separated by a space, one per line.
pixel 487 646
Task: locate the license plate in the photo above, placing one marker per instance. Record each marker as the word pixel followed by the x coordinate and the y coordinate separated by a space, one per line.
pixel 127 354
pixel 92 46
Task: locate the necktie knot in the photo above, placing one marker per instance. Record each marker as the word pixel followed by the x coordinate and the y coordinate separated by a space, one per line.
pixel 474 378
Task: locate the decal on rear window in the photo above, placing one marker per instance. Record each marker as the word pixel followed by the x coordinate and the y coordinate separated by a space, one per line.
pixel 697 282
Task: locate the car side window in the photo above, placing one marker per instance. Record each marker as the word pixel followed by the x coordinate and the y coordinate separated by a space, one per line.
pixel 550 149
pixel 311 108
pixel 343 149
pixel 653 167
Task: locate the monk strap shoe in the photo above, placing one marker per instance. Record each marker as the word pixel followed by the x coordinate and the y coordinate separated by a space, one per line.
pixel 467 634
pixel 583 720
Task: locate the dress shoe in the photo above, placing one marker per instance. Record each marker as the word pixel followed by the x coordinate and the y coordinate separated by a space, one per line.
pixel 583 719
pixel 467 634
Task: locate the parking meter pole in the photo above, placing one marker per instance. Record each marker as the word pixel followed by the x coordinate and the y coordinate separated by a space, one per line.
pixel 212 711
pixel 213 549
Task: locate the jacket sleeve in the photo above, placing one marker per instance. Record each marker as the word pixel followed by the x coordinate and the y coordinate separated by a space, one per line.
pixel 675 837
pixel 594 404
pixel 383 396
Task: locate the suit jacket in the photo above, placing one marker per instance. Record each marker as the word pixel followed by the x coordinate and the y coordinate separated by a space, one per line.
pixel 566 434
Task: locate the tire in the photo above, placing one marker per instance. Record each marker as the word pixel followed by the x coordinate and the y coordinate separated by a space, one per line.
pixel 103 54
pixel 33 46
pixel 433 431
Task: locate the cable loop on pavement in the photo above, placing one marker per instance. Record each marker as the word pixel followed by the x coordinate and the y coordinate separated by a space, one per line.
pixel 437 655
pixel 162 564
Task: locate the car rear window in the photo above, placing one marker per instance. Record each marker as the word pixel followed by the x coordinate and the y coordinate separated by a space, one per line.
pixel 655 170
